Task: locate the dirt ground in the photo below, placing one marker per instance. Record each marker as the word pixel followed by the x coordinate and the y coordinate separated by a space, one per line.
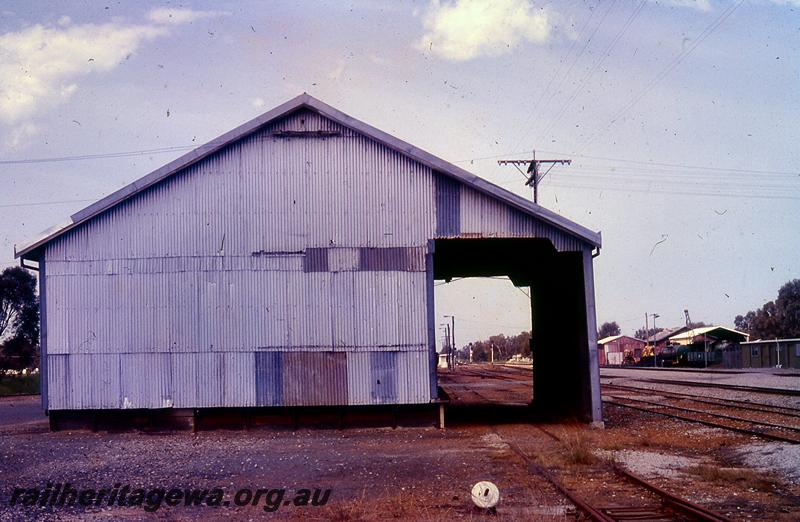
pixel 404 473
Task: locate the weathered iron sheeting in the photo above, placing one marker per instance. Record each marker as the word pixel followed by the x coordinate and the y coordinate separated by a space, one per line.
pixel 235 310
pixel 462 211
pixel 314 378
pixel 229 379
pixel 146 380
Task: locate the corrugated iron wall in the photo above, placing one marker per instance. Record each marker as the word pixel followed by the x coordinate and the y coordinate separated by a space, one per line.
pixel 287 269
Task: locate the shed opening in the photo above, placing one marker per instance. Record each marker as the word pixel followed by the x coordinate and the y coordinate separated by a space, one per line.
pixel 562 315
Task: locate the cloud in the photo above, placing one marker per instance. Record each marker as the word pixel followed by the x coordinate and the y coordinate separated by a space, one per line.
pixel 700 5
pixel 467 29
pixel 258 102
pixel 21 135
pixel 175 15
pixel 38 64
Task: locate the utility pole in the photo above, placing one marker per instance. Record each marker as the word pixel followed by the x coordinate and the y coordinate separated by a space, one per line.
pixel 446 343
pixel 647 331
pixel 453 337
pixel 449 347
pixel 655 364
pixel 534 170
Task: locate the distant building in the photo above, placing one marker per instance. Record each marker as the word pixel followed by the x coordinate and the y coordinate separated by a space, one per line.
pixel 442 361
pixel 614 349
pixel 771 353
pixel 661 339
pixel 709 345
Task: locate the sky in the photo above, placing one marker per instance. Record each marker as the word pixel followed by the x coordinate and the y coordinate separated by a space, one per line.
pixel 681 117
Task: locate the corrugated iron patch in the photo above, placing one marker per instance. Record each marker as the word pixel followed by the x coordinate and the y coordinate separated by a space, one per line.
pixel 315 260
pixel 383 369
pixel 269 378
pixel 314 378
pixel 448 206
pixel 343 259
pixel 392 259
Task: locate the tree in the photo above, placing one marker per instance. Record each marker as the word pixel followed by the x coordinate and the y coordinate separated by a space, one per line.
pixel 504 347
pixel 19 318
pixel 776 319
pixel 643 334
pixel 608 329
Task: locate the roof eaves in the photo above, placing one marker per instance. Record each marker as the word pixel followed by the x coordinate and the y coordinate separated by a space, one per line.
pixel 766 341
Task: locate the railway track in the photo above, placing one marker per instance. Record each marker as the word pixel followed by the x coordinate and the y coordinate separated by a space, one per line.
pixel 653 503
pixel 750 389
pixel 777 423
pixel 739 404
pixel 728 422
pixel 490 374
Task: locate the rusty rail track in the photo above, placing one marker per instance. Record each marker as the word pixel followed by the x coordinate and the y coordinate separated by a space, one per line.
pixel 579 502
pixel 749 389
pixel 671 504
pixel 710 413
pixel 485 374
pixel 738 429
pixel 744 405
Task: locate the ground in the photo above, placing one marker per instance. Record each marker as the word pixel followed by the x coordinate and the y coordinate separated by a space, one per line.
pixel 407 473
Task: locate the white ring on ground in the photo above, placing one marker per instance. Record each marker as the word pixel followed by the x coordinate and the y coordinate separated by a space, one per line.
pixel 485 494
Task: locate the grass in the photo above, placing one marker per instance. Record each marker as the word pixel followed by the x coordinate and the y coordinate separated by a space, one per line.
pixel 577 448
pixel 19 385
pixel 747 478
pixel 391 507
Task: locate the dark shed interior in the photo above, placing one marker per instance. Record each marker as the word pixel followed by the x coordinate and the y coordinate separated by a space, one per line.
pixel 560 310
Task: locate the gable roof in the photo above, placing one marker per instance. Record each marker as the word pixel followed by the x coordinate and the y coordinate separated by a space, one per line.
pixel 309 102
pixel 612 338
pixel 713 331
pixel 666 333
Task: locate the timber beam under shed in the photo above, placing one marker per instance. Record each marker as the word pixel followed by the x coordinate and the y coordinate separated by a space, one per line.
pixel 516 258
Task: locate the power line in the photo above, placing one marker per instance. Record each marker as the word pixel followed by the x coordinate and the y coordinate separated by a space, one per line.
pixel 558 71
pixel 38 203
pixel 533 170
pixel 494 156
pixel 745 194
pixel 638 162
pixel 736 188
pixel 83 157
pixel 583 49
pixel 603 173
pixel 669 68
pixel 593 69
pixel 685 171
pixel 577 57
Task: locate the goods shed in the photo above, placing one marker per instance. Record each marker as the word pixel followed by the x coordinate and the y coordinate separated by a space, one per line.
pixel 291 262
